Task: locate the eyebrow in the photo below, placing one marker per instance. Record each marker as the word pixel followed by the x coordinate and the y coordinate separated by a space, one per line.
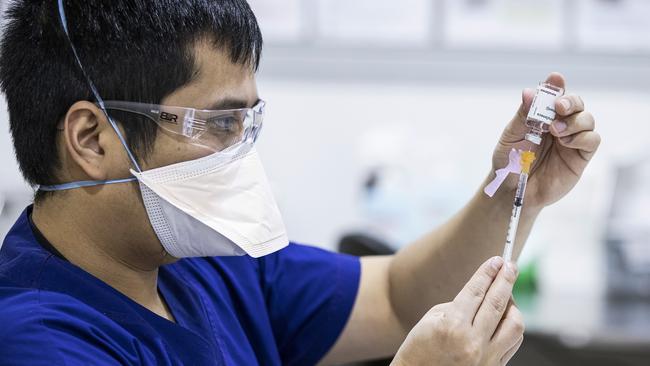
pixel 231 103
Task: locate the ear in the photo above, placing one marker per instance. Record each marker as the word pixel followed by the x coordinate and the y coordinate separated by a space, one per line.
pixel 88 136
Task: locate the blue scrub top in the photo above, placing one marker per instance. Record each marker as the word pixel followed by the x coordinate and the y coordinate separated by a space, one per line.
pixel 286 308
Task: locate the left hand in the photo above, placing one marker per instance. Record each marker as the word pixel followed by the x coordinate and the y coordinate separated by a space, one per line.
pixel 564 153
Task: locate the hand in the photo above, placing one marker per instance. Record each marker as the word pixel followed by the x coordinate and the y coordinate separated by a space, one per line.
pixel 564 153
pixel 480 327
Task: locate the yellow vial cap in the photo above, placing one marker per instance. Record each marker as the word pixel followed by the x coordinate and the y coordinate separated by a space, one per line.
pixel 527 159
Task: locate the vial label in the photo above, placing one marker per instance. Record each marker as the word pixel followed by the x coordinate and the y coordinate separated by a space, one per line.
pixel 543 107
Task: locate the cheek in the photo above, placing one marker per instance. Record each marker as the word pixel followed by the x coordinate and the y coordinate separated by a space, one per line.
pixel 170 149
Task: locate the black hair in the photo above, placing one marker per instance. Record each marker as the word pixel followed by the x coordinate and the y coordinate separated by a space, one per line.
pixel 135 50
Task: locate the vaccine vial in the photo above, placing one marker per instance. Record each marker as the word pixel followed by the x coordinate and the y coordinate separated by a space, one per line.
pixel 542 111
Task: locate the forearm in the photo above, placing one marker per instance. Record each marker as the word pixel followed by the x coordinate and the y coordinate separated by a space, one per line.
pixel 433 269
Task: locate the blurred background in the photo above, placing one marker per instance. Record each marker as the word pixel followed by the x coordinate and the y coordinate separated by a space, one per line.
pixel 382 118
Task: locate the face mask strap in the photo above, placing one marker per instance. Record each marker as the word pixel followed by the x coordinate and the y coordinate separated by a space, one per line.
pixel 83 183
pixel 99 99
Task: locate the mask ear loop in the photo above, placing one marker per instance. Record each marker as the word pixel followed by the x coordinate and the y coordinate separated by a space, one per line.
pixel 93 89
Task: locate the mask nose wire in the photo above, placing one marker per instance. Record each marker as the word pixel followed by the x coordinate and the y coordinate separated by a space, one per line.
pixel 93 89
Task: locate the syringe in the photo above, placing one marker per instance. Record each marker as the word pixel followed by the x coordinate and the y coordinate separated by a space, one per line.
pixel 539 118
pixel 527 159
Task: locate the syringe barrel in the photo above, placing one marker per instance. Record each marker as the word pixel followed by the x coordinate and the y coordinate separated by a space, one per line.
pixel 521 188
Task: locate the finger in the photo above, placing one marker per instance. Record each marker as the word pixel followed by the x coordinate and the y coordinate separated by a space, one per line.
pixel 510 329
pixel 511 352
pixel 585 142
pixel 557 79
pixel 569 104
pixel 576 123
pixel 527 96
pixel 517 129
pixel 469 299
pixel 496 300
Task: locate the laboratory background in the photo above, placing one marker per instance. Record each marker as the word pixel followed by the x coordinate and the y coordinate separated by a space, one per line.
pixel 381 121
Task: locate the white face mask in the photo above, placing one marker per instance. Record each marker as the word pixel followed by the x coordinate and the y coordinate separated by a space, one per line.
pixel 218 205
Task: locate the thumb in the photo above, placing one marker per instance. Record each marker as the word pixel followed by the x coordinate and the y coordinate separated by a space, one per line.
pixel 527 96
pixel 517 129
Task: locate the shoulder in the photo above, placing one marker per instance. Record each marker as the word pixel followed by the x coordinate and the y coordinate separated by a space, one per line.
pixel 41 327
pixel 299 259
pixel 309 293
pixel 35 313
pixel 22 312
pixel 23 334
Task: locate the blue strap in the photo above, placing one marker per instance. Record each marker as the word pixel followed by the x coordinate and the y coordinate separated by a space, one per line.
pixel 100 102
pixel 83 183
pixel 99 99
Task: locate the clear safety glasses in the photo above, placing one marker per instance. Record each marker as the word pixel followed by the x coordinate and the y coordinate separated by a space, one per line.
pixel 213 129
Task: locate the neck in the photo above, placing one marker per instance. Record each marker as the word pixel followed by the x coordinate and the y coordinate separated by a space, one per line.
pixel 76 235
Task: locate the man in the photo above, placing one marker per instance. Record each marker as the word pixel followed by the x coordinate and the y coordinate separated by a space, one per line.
pixel 137 121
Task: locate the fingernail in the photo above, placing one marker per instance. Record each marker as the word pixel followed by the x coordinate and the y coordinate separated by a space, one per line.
pixel 496 263
pixel 566 139
pixel 559 126
pixel 566 104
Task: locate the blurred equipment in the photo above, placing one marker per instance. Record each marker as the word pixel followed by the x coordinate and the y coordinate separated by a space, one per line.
pixel 362 245
pixel 628 233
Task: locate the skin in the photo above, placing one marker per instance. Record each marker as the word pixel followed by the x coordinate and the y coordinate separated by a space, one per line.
pixel 105 229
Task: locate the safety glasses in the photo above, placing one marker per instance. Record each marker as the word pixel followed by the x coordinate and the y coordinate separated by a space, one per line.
pixel 213 129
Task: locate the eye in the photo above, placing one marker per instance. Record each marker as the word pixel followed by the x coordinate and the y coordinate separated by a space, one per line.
pixel 224 123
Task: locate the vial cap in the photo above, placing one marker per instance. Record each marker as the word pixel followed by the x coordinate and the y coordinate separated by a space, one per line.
pixel 534 138
pixel 527 159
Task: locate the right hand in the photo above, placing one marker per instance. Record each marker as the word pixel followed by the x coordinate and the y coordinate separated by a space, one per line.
pixel 481 326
